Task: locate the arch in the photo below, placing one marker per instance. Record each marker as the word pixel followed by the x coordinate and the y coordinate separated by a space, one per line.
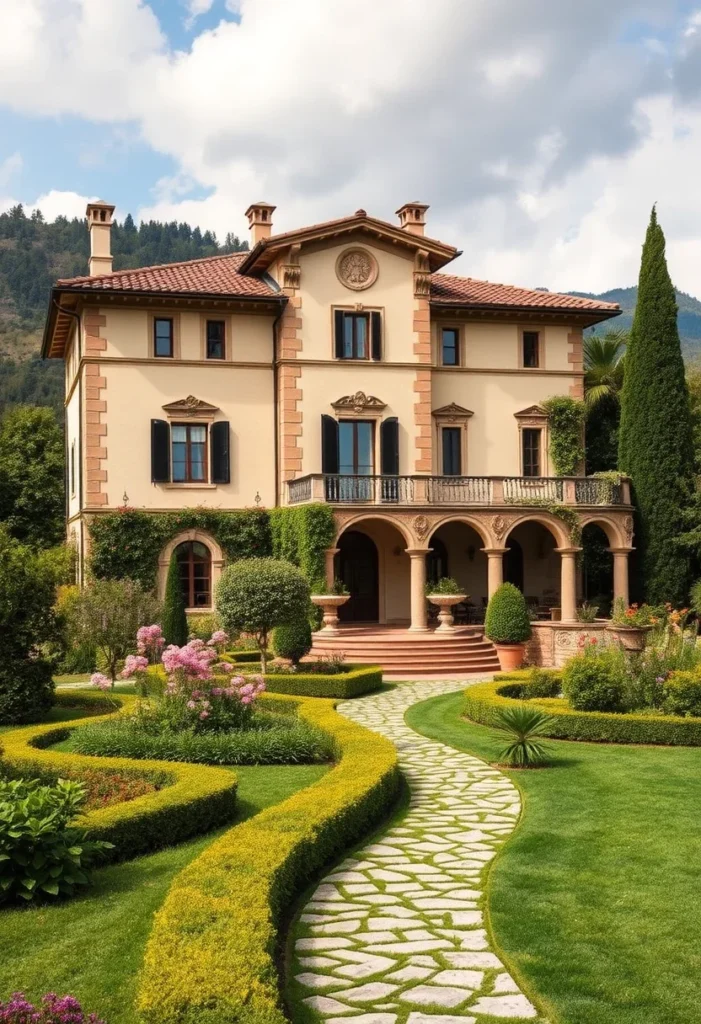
pixel 551 523
pixel 355 521
pixel 611 527
pixel 358 567
pixel 185 536
pixel 477 524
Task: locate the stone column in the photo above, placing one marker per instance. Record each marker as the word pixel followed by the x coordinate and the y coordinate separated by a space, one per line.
pixel 568 583
pixel 329 554
pixel 418 589
pixel 495 568
pixel 620 573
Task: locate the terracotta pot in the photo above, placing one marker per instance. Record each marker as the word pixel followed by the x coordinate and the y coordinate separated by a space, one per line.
pixel 510 656
pixel 329 603
pixel 631 638
pixel 445 616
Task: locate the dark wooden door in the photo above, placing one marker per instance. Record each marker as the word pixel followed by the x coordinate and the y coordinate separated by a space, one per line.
pixel 357 567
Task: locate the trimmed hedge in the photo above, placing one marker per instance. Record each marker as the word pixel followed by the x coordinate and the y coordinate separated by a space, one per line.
pixel 484 700
pixel 194 800
pixel 210 958
pixel 358 680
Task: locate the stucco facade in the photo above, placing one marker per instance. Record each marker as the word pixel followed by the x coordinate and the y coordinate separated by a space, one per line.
pixel 333 363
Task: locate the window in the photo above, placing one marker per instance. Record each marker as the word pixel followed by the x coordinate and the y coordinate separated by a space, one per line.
pixel 450 346
pixel 195 568
pixel 163 337
pixel 73 468
pixel 452 451
pixel 356 444
pixel 216 339
pixel 530 440
pixel 355 336
pixel 531 349
pixel 189 451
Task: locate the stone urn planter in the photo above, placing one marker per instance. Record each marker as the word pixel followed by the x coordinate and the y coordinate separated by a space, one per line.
pixel 510 656
pixel 631 638
pixel 329 604
pixel 445 602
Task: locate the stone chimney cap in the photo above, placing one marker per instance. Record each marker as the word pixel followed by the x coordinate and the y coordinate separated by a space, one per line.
pixel 259 206
pixel 100 211
pixel 414 206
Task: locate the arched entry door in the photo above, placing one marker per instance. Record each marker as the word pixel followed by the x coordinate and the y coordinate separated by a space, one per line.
pixel 357 567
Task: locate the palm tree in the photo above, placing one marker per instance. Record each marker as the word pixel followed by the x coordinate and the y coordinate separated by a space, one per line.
pixel 604 357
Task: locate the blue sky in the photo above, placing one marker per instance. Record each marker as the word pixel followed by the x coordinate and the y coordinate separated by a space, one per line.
pixel 540 132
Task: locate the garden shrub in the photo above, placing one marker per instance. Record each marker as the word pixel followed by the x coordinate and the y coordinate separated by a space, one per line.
pixel 42 853
pixel 355 681
pixel 174 619
pixel 255 595
pixel 506 621
pixel 201 627
pixel 293 641
pixel 191 800
pixel 566 429
pixel 53 1009
pixel 596 681
pixel 210 957
pixel 301 535
pixel 542 682
pixel 682 693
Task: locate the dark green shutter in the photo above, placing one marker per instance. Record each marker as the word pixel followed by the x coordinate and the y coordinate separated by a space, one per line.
pixel 338 333
pixel 389 446
pixel 376 333
pixel 160 452
pixel 329 445
pixel 221 471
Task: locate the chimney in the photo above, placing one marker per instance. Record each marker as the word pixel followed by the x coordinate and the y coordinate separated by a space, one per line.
pixel 260 221
pixel 412 217
pixel 99 216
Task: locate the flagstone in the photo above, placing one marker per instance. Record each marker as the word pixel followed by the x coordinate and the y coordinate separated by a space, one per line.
pixel 436 995
pixel 371 1018
pixel 516 1006
pixel 368 993
pixel 324 1004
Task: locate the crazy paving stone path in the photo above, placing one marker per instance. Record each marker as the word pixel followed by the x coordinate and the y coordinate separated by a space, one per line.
pixel 395 933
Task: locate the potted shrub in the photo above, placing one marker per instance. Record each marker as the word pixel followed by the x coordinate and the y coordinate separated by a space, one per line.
pixel 330 601
pixel 507 625
pixel 630 626
pixel 445 594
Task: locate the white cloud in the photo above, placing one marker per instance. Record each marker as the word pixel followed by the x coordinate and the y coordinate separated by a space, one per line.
pixel 53 204
pixel 10 168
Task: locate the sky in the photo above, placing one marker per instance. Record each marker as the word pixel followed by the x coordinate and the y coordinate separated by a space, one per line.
pixel 540 132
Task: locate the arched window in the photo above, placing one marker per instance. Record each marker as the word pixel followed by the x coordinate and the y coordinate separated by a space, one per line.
pixel 195 565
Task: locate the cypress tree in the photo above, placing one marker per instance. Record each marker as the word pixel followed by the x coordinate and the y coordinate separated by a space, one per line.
pixel 174 618
pixel 655 441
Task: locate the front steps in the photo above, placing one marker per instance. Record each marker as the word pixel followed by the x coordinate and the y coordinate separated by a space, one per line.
pixel 406 655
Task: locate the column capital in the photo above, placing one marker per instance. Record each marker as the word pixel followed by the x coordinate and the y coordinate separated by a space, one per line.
pixel 493 552
pixel 568 551
pixel 416 552
pixel 620 551
pixel 331 551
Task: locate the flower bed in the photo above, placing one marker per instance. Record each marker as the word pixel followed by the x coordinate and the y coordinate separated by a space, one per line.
pixel 354 681
pixel 211 954
pixel 190 799
pixel 484 700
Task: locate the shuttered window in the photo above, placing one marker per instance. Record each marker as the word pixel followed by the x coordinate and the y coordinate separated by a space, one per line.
pixel 358 335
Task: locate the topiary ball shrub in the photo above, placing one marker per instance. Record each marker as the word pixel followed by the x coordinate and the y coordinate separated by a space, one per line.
pixel 26 691
pixel 594 683
pixel 255 595
pixel 506 621
pixel 293 641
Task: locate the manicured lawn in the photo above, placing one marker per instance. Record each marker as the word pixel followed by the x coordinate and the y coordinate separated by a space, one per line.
pixel 92 946
pixel 596 899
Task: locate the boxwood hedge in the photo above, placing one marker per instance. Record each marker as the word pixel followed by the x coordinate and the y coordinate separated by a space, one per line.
pixel 192 800
pixel 210 958
pixel 484 700
pixel 357 680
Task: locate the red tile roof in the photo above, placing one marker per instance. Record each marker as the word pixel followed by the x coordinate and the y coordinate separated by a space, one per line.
pixel 467 291
pixel 213 275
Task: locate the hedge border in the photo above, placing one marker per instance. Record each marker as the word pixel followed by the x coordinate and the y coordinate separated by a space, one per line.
pixel 361 679
pixel 483 700
pixel 194 800
pixel 210 957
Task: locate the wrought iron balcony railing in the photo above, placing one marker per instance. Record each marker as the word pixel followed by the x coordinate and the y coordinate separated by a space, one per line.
pixel 339 489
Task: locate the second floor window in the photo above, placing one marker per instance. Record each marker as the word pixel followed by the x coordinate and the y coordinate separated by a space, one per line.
pixel 356 443
pixel 450 346
pixel 355 336
pixel 531 349
pixel 163 337
pixel 452 451
pixel 530 441
pixel 189 452
pixel 216 339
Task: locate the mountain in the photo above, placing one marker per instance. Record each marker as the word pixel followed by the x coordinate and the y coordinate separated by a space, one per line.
pixel 33 254
pixel 688 317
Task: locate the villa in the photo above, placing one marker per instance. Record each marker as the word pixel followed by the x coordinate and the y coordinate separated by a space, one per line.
pixel 339 363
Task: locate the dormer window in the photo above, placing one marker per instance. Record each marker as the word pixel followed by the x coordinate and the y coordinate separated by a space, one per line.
pixel 163 337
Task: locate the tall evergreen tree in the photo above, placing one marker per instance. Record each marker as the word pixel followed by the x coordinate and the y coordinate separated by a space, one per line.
pixel 655 440
pixel 174 624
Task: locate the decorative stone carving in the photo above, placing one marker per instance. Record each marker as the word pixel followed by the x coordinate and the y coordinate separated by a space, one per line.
pixel 500 524
pixel 422 274
pixel 191 407
pixel 291 271
pixel 533 416
pixel 357 269
pixel 452 412
pixel 628 527
pixel 359 402
pixel 421 525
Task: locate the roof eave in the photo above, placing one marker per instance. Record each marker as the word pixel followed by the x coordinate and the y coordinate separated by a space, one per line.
pixel 595 315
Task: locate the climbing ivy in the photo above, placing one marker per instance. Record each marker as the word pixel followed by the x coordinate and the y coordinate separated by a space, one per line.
pixel 565 513
pixel 301 535
pixel 566 424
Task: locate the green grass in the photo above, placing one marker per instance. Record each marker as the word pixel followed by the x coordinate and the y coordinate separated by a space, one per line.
pixel 595 900
pixel 92 946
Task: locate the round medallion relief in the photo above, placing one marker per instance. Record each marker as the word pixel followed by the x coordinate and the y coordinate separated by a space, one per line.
pixel 356 269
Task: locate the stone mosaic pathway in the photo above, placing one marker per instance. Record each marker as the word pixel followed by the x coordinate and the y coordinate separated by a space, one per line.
pixel 394 934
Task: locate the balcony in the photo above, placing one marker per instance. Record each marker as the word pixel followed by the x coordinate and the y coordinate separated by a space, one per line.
pixel 455 490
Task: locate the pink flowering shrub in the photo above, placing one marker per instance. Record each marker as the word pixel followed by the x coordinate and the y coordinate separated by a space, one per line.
pixel 219 640
pixel 52 1010
pixel 150 642
pixel 100 681
pixel 133 663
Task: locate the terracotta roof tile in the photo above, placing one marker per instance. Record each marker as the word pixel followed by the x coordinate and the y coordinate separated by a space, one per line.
pixel 466 291
pixel 213 275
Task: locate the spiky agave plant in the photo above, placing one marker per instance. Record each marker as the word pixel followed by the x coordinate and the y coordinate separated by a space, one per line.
pixel 525 726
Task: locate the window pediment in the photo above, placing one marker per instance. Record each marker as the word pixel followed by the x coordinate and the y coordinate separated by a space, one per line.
pixel 452 412
pixel 531 413
pixel 359 404
pixel 190 408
